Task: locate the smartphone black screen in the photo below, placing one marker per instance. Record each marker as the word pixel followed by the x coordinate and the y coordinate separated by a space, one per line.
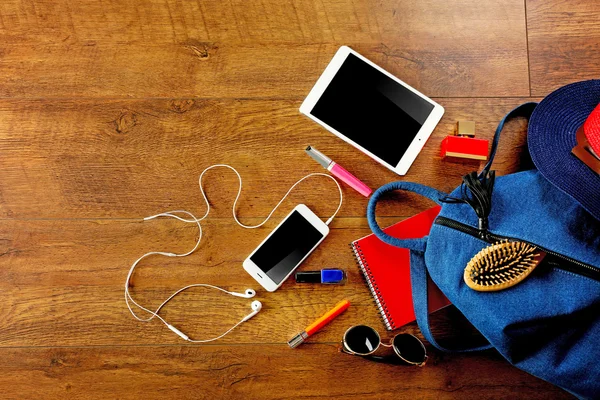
pixel 372 110
pixel 286 247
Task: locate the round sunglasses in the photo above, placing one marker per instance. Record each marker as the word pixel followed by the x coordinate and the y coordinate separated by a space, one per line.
pixel 362 340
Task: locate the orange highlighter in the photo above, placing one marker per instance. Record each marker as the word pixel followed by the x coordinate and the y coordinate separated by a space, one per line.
pixel 318 324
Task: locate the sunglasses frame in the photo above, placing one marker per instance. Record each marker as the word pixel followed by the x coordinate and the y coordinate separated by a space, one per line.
pixel 346 349
pixel 583 151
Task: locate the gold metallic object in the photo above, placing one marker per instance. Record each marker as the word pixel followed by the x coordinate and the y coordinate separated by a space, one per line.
pixel 465 128
pixel 346 348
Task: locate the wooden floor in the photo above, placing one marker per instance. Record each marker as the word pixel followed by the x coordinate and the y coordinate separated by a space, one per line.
pixel 110 109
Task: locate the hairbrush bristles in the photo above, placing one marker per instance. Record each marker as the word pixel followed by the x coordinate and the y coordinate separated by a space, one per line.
pixel 501 265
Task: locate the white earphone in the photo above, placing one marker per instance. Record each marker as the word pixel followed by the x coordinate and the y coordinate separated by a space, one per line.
pixel 248 294
pixel 256 307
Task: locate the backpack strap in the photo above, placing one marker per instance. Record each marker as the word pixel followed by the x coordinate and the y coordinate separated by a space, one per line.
pixel 524 110
pixel 418 269
pixel 426 191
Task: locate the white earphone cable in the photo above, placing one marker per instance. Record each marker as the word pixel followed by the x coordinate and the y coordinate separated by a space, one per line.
pixel 129 298
pixel 173 214
pixel 240 192
pixel 218 337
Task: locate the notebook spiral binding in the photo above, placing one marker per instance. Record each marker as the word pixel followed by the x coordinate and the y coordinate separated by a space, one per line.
pixel 364 267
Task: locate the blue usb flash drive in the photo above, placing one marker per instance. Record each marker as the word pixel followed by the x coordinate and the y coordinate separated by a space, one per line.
pixel 322 276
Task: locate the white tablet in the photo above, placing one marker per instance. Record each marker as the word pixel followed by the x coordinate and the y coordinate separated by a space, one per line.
pixel 372 110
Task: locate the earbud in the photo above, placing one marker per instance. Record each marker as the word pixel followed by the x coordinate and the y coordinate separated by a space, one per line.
pixel 250 293
pixel 256 307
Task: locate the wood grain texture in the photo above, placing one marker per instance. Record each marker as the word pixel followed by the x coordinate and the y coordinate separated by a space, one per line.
pixel 214 69
pixel 255 48
pixel 134 158
pixel 314 21
pixel 61 284
pixel 564 42
pixel 254 372
pixel 110 109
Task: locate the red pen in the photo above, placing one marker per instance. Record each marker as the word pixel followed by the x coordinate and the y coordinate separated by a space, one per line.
pixel 339 172
pixel 318 324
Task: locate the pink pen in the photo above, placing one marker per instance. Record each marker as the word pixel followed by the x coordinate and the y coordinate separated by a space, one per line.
pixel 339 172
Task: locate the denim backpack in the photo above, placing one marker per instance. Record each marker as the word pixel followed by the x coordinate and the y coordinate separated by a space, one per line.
pixel 548 324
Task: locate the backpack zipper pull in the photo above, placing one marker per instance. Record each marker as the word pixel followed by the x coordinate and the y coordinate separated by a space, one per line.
pixel 483 229
pixel 477 192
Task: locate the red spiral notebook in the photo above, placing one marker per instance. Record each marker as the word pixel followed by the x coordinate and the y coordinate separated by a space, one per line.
pixel 387 270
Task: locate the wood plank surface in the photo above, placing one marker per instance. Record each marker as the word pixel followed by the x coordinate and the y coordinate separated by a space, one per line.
pixel 109 111
pixel 564 41
pixel 306 21
pixel 265 371
pixel 202 69
pixel 239 49
pixel 134 158
pixel 54 297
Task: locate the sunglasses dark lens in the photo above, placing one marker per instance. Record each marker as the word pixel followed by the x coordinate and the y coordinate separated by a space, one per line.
pixel 361 339
pixel 410 348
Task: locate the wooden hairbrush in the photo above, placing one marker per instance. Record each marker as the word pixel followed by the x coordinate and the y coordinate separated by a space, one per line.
pixel 502 265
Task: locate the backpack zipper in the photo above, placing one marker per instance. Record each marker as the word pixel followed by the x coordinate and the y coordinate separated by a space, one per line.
pixel 555 260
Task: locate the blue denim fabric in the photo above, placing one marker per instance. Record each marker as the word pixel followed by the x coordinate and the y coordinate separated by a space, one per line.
pixel 547 325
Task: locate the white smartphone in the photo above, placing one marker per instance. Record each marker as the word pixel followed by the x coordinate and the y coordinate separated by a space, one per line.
pixel 286 247
pixel 372 110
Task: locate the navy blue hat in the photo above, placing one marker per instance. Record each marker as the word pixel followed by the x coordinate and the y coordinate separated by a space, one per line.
pixel 551 137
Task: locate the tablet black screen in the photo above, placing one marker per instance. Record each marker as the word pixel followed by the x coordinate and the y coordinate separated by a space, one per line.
pixel 372 110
